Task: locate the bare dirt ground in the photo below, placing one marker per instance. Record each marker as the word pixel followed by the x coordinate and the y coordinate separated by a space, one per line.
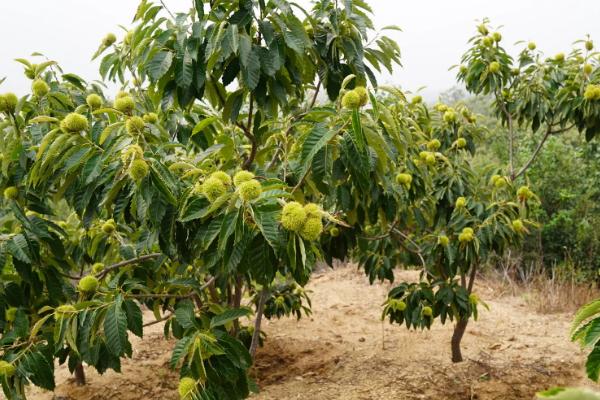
pixel 344 351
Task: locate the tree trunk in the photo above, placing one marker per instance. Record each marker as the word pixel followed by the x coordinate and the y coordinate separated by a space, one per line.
pixel 459 331
pixel 259 314
pixel 79 375
pixel 214 293
pixel 461 324
pixel 237 301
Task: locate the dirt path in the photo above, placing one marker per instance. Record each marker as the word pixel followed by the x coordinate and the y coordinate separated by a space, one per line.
pixel 345 352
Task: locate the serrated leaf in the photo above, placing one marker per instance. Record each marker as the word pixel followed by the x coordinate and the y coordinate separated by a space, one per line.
pixel 251 70
pixel 205 123
pixel 184 314
pixel 179 351
pixel 318 137
pixel 134 318
pixel 584 313
pixel 161 183
pixel 592 365
pixel 42 118
pixel 228 316
pixel 268 224
pixel 108 130
pixel 183 70
pixel 160 64
pixel 115 328
pixel 19 248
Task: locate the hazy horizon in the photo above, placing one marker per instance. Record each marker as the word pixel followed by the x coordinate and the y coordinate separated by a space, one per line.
pixel 434 33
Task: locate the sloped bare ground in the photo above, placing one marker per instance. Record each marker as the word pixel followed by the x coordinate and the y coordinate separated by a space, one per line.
pixel 344 351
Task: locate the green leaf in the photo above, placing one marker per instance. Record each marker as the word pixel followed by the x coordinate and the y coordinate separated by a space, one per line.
pixel 251 71
pixel 266 219
pixel 207 234
pixel 568 394
pixel 19 248
pixel 183 70
pixel 115 328
pixel 227 228
pixel 180 350
pixel 134 318
pixel 42 118
pixel 21 324
pixel 40 370
pixel 592 333
pixel 228 316
pixel 38 325
pixel 158 177
pixel 296 37
pixel 159 65
pixel 584 313
pixel 358 134
pixel 184 314
pixel 592 365
pixel 318 137
pixel 233 104
pixel 205 123
pixel 245 46
pixel 108 130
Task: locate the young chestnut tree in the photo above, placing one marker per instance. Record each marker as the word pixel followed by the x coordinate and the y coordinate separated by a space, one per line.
pixel 543 95
pixel 433 211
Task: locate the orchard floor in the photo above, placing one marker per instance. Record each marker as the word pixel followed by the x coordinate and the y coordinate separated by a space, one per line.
pixel 343 351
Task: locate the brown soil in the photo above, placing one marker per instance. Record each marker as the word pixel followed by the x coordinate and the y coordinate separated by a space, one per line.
pixel 344 351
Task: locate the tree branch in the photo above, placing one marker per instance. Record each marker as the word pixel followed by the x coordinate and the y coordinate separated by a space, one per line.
pixel 511 148
pixel 257 322
pixel 534 155
pixel 472 278
pixel 294 119
pixel 418 249
pixel 166 317
pixel 167 9
pixel 548 133
pixel 118 265
pixel 76 278
pixel 170 295
pixel 316 94
pixel 384 235
pixel 248 133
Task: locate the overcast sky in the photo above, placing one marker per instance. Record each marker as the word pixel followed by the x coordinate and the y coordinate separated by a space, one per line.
pixel 434 34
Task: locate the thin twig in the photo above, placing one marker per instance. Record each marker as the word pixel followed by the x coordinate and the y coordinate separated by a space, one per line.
pixel 548 133
pixel 510 138
pixel 257 323
pixel 166 317
pixel 382 236
pixel 118 265
pixel 294 119
pixel 418 249
pixel 316 94
pixel 170 295
pixel 167 9
pixel 159 295
pixel 248 133
pixel 69 276
pixel 534 155
pixel 472 278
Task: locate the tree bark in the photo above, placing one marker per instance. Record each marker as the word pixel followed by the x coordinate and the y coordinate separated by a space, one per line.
pixel 259 314
pixel 237 301
pixel 214 293
pixel 459 331
pixel 79 375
